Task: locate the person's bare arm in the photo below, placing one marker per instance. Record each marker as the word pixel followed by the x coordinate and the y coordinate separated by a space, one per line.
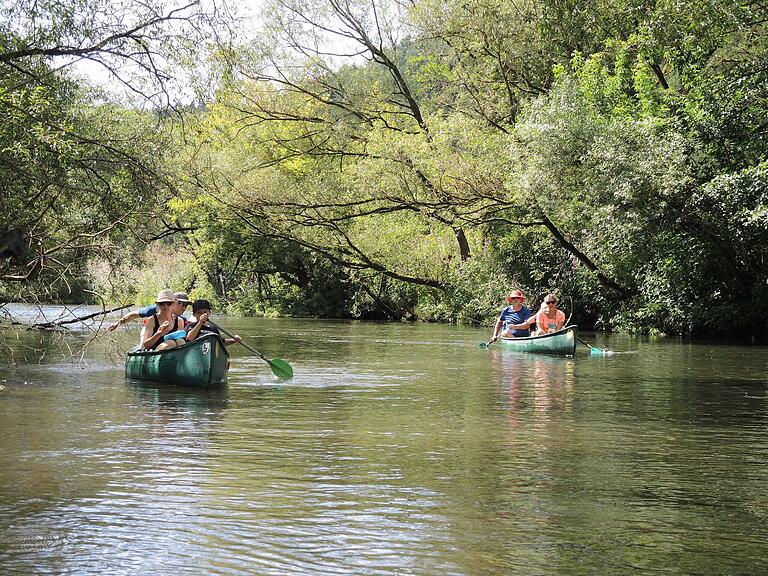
pixel 192 334
pixel 496 329
pixel 125 319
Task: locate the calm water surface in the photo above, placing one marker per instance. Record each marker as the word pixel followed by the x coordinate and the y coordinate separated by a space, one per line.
pixel 397 449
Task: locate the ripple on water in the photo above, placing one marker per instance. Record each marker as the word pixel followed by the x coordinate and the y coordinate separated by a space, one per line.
pixel 395 450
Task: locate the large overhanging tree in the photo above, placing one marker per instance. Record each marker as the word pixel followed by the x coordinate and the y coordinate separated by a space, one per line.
pixel 374 119
pixel 419 120
pixel 655 148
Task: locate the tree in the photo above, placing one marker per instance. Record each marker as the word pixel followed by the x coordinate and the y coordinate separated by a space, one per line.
pixel 348 114
pixel 140 45
pixel 355 144
pixel 628 165
pixel 81 176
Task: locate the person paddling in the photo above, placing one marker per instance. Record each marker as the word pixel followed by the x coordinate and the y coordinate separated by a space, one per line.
pixel 182 301
pixel 201 311
pixel 513 319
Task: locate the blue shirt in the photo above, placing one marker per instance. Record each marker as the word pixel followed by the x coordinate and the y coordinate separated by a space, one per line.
pixel 510 316
pixel 148 311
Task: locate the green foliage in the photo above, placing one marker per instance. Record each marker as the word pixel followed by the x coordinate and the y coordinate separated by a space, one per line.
pixel 655 185
pixel 70 173
pixel 137 276
pixel 594 158
pixel 475 289
pixel 612 153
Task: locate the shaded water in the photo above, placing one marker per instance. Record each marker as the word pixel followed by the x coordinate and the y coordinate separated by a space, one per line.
pixel 397 449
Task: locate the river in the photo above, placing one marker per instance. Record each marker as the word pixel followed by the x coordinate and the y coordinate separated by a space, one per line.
pixel 397 449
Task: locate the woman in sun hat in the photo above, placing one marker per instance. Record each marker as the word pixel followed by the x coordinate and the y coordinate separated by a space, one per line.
pixel 182 301
pixel 513 319
pixel 161 323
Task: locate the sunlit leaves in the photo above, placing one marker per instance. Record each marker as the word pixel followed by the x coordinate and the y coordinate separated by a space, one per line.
pixel 605 149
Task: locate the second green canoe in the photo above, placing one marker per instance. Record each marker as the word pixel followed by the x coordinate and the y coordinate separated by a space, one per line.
pixel 202 363
pixel 560 343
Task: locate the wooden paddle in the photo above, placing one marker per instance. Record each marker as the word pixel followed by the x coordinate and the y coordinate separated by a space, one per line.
pixel 280 368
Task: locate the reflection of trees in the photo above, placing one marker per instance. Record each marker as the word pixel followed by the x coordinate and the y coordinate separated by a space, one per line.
pixel 182 417
pixel 22 345
pixel 54 333
pixel 86 459
pixel 182 402
pixel 74 432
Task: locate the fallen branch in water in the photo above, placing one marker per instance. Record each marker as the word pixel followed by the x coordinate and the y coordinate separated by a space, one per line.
pixel 60 323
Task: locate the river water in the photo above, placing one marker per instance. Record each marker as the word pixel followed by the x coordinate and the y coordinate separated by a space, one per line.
pixel 397 449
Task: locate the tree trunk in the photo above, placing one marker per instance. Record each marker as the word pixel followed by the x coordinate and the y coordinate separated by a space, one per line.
pixel 463 243
pixel 623 291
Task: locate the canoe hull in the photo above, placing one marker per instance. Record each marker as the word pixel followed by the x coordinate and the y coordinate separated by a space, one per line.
pixel 202 363
pixel 560 343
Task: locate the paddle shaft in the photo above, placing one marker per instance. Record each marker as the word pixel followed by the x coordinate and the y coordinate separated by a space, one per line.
pixel 279 367
pixel 251 348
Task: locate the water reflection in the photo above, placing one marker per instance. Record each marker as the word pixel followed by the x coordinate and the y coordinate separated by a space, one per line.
pixel 397 449
pixel 181 401
pixel 536 383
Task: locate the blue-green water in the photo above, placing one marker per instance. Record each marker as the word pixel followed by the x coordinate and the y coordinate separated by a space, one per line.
pixel 397 449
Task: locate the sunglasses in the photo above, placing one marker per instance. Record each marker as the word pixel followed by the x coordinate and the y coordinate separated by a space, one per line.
pixel 551 302
pixel 163 303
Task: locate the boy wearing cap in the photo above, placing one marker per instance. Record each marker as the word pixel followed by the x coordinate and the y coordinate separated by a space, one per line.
pixel 514 318
pixel 201 311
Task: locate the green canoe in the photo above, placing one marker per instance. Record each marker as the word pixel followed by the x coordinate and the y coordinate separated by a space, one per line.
pixel 202 363
pixel 560 343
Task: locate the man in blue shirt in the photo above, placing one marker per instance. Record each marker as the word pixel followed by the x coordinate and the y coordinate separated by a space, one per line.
pixel 512 315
